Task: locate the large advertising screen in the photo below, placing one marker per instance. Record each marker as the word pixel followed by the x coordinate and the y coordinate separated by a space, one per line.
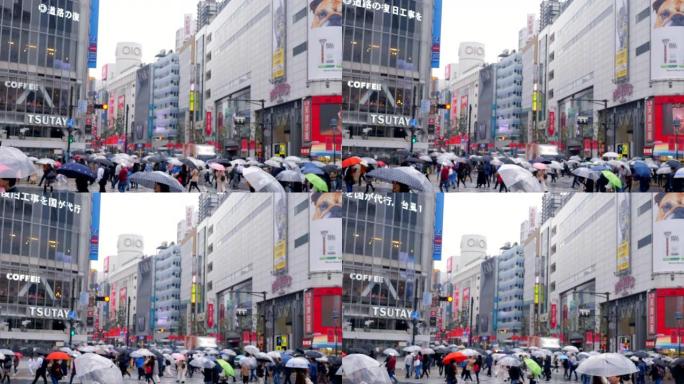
pixel 667 41
pixel 439 218
pixel 622 40
pixel 436 33
pixel 325 39
pixel 93 33
pixel 279 40
pixel 95 227
pixel 668 230
pixel 325 232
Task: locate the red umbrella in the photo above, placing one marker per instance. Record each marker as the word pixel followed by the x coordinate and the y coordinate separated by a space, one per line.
pixel 351 161
pixel 458 357
pixel 381 163
pixel 58 356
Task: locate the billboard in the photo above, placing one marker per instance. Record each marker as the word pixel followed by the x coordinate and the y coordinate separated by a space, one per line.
pixel 95 227
pixel 325 232
pixel 279 18
pixel 436 32
pixel 93 34
pixel 306 121
pixel 667 41
pixel 207 124
pixel 621 40
pixel 439 218
pixel 279 232
pixel 325 40
pixel 624 233
pixel 668 227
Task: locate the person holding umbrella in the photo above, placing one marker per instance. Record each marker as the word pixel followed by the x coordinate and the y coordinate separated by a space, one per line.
pixel 56 372
pixel 6 369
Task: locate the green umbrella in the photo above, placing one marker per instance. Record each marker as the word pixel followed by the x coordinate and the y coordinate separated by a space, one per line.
pixel 226 367
pixel 533 367
pixel 318 183
pixel 612 178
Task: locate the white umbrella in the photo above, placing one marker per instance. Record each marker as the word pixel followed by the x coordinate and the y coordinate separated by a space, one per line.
pixel 264 357
pixel 274 164
pixel 86 348
pixel 555 165
pixel 679 174
pixel 570 348
pixel 427 351
pixel 390 352
pixel 14 164
pixel 610 155
pixel 297 363
pixel 228 352
pixel 323 359
pixel 45 161
pixel 251 349
pixel 518 179
pixel 202 362
pixel 371 161
pixel 360 368
pixel 294 159
pixel 262 181
pixel 179 356
pixel 425 158
pixel 92 368
pixel 412 348
pixel 606 365
pixel 289 176
pixel 6 352
pixel 510 361
pixel 470 352
pixel 666 170
pixel 143 352
pixel 274 354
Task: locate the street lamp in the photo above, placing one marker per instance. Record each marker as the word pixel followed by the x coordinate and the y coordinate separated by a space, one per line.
pixel 605 295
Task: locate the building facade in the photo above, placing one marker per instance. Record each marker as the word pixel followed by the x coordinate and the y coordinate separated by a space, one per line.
pixel 44 265
pixel 387 269
pixel 509 290
pixel 165 88
pixel 509 85
pixel 167 283
pixel 43 74
pixel 387 74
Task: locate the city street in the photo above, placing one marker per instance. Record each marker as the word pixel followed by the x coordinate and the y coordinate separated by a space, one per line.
pixel 557 378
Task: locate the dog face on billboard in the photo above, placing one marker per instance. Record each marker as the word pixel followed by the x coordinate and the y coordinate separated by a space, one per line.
pixel 327 13
pixel 670 206
pixel 670 13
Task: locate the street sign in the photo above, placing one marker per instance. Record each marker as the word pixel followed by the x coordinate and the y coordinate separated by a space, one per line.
pixel 413 123
pixel 72 315
pixel 70 123
pixel 415 315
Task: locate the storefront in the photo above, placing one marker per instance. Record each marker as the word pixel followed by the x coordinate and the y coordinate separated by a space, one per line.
pixel 664 136
pixel 665 320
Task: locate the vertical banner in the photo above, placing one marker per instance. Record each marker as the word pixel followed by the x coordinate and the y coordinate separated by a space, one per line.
pixel 306 121
pixel 279 17
pixel 439 219
pixel 210 315
pixel 553 322
pixel 93 34
pixel 325 40
pixel 106 264
pixel 436 32
pixel 621 40
pixel 94 226
pixel 280 232
pixel 668 227
pixel 667 40
pixel 651 320
pixel 624 233
pixel 648 120
pixel 308 312
pixel 325 232
pixel 207 124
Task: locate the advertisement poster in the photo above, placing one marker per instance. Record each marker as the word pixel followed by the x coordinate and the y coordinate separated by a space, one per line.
pixel 553 316
pixel 439 218
pixel 308 312
pixel 279 40
pixel 436 32
pixel 325 232
pixel 624 233
pixel 325 40
pixel 667 41
pixel 280 232
pixel 622 40
pixel 306 121
pixel 93 33
pixel 207 124
pixel 668 230
pixel 95 228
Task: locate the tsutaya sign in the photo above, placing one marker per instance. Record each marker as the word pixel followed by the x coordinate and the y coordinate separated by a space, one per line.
pixel 384 7
pixel 47 312
pixel 391 312
pixel 389 120
pixel 45 120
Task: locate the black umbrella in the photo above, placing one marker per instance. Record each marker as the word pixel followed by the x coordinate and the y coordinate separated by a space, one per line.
pixel 104 162
pixel 332 168
pixel 674 164
pixel 74 170
pixel 224 162
pixel 189 163
pixel 678 363
pixel 313 354
pixel 358 350
pixel 40 351
pixel 507 160
pixel 641 354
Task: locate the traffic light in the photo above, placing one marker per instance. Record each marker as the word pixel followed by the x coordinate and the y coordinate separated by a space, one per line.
pixel 103 107
pixel 71 139
pixel 446 106
pixel 449 299
pixel 414 139
pixel 102 298
pixel 72 332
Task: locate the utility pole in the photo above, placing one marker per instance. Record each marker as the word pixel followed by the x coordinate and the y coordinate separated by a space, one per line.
pixel 73 299
pixel 414 316
pixel 69 123
pixel 126 131
pixel 128 316
pixel 470 314
pixel 470 112
pixel 413 118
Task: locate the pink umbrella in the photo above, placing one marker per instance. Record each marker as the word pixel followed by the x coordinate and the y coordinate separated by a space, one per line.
pixel 540 166
pixel 218 167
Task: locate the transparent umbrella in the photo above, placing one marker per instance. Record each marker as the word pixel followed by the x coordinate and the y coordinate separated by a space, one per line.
pixel 364 369
pixel 262 181
pixel 14 164
pixel 518 179
pixel 606 365
pixel 93 368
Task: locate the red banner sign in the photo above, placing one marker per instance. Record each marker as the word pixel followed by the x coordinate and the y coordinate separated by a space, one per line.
pixel 207 124
pixel 306 121
pixel 552 123
pixel 210 315
pixel 554 314
pixel 648 111
pixel 308 312
pixel 651 313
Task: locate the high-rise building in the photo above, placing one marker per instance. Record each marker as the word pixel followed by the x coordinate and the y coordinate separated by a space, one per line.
pixel 508 99
pixel 509 291
pixel 548 12
pixel 167 282
pixel 551 203
pixel 206 11
pixel 166 75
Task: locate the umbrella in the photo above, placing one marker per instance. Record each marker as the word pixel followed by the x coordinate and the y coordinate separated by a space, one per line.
pixel 425 158
pixel 539 166
pixel 323 359
pixel 252 350
pixel 610 155
pixel 351 161
pixel 405 175
pixel 202 362
pixel 151 179
pixel 14 164
pixel 641 169
pixel 103 161
pixel 46 161
pixel 143 352
pixel 612 179
pixel 274 354
pixel 371 161
pixel 458 357
pixel 359 368
pixel 641 354
pixel 533 367
pixel 319 184
pixel 664 170
pixel 7 352
pixel 297 363
pixel 470 352
pixel 427 351
pixel 59 355
pixel 518 179
pixel 390 352
pixel 312 169
pixel 677 363
pixel 261 356
pixel 510 361
pixel 679 174
pixel 217 167
pixel 607 364
pixel 86 348
pixel 95 368
pixel 228 352
pixel 74 170
pixel 262 181
pixel 294 159
pixel 570 348
pixel 673 164
pixel 273 164
pixel 238 162
pixel 289 176
pixel 313 354
pixel 555 165
pixel 412 348
pixel 179 356
pixel 336 168
pixel 227 368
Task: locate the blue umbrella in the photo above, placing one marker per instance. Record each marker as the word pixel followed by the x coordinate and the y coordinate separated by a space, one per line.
pixel 285 357
pixel 313 169
pixel 600 168
pixel 641 170
pixel 74 170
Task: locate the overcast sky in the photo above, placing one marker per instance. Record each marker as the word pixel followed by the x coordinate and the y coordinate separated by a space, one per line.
pixel 152 215
pixel 152 23
pixel 496 216
pixel 495 23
